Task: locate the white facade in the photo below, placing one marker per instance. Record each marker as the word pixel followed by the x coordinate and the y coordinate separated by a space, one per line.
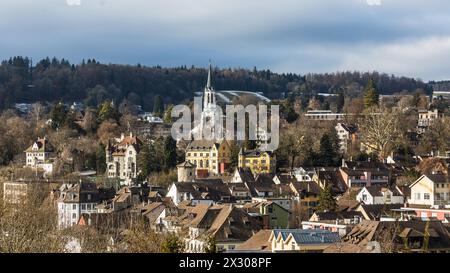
pixel 69 213
pixel 387 197
pixel 178 197
pixel 121 160
pixel 425 191
pixel 344 137
pixel 426 118
pixel 302 175
pixel 38 156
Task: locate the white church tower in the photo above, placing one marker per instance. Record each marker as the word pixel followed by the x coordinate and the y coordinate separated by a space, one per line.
pixel 209 110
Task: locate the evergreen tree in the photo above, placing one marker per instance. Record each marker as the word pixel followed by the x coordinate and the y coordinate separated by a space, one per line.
pixel 327 202
pixel 158 106
pixel 58 115
pixel 168 114
pixel 144 160
pixel 371 96
pixel 328 151
pixel 69 121
pixel 170 153
pixel 101 159
pixel 108 111
pixel 340 102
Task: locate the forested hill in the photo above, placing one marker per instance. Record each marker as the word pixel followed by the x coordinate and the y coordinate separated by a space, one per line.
pixel 92 82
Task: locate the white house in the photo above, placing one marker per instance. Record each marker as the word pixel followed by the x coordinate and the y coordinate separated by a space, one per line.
pixel 121 158
pixel 38 155
pixel 346 134
pixel 376 195
pixel 302 175
pixel 74 200
pixel 431 190
pixel 201 192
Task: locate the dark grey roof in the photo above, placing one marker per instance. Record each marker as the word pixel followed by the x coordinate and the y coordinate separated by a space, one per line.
pixel 375 212
pixel 246 175
pixel 377 190
pixel 341 215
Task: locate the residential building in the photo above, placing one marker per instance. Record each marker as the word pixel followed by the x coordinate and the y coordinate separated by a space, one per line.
pixel 325 177
pixel 302 175
pixel 300 240
pixel 346 134
pixel 242 175
pixel 324 115
pixel 306 194
pixel 272 214
pixel 426 118
pixel 258 243
pixel 381 212
pixel 38 155
pixel 201 191
pixel 341 222
pixel 227 225
pixel 427 213
pixel 377 195
pixel 365 174
pixel 431 190
pixel 404 236
pixel 75 200
pixel 257 161
pixel 209 157
pixel 445 95
pixel 121 158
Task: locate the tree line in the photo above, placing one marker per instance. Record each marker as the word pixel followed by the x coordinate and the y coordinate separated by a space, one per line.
pixel 92 82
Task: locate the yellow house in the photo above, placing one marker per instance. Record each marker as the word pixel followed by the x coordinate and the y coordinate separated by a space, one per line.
pixel 257 161
pixel 209 157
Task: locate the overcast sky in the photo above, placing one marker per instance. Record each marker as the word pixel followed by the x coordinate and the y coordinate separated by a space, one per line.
pixel 403 37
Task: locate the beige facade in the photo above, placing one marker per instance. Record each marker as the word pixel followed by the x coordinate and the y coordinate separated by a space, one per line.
pixel 209 157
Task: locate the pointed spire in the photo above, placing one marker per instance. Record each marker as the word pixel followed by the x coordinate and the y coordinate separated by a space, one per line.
pixel 208 84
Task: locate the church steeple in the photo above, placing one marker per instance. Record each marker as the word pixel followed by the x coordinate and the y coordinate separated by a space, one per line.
pixel 208 83
pixel 209 96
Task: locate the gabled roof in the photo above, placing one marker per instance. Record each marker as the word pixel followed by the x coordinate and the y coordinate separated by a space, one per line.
pixel 255 206
pixel 79 193
pixel 246 174
pixel 434 178
pixel 334 178
pixel 375 212
pixel 259 241
pixel 367 231
pixel 341 215
pixel 377 191
pixel 306 236
pixel 306 187
pixel 215 189
pixel 351 128
pixel 42 145
pixel 223 222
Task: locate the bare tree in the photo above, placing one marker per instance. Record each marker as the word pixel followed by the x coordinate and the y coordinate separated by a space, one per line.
pixel 381 130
